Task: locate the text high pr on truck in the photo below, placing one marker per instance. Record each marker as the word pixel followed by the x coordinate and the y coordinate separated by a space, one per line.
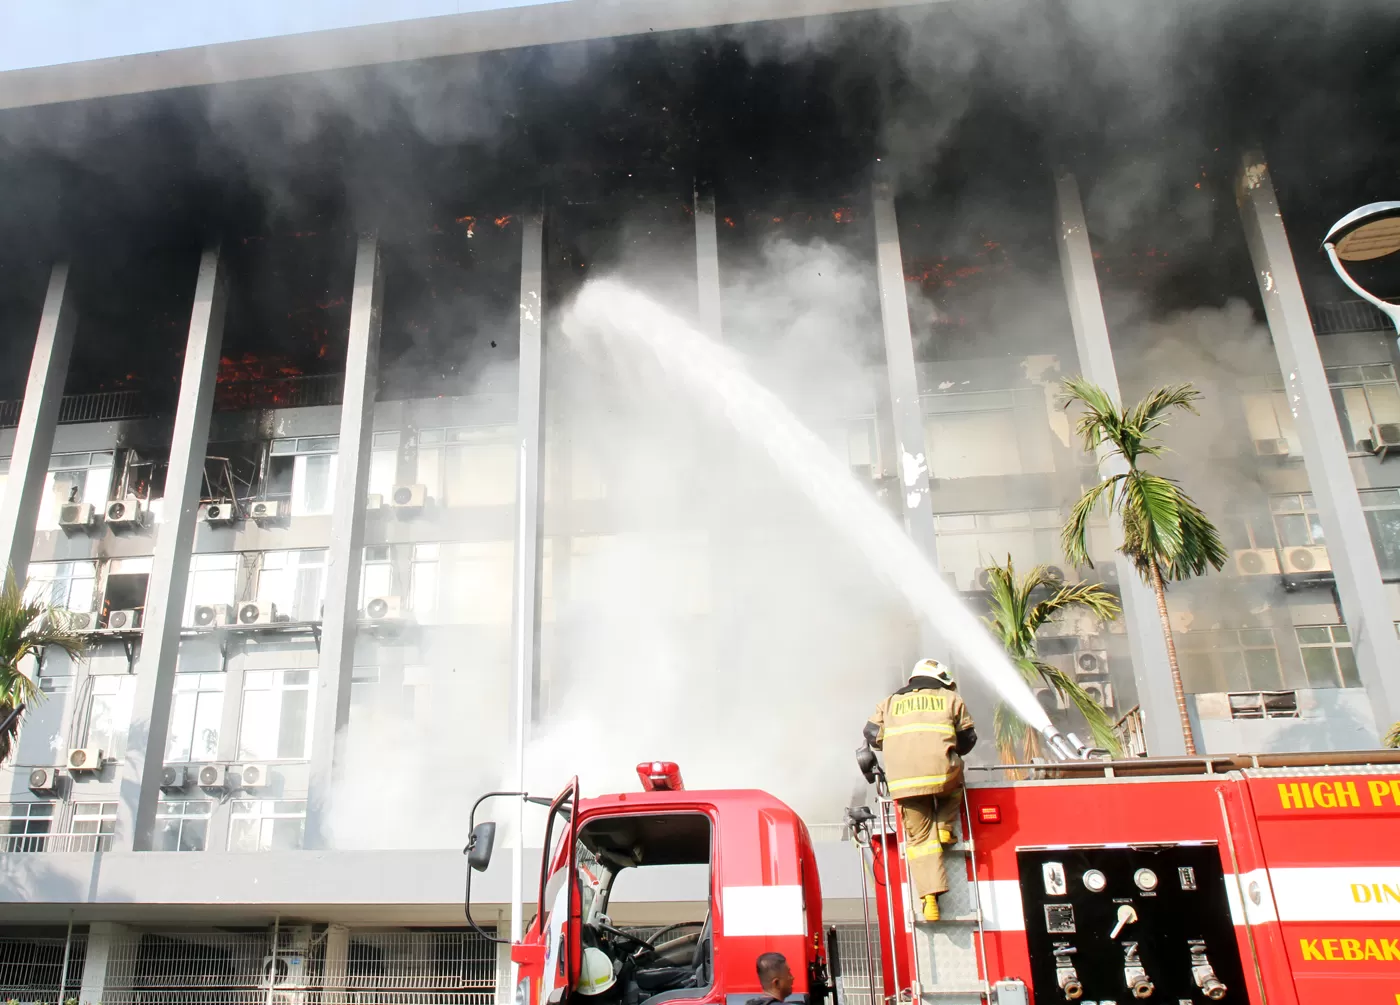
pixel 1267 879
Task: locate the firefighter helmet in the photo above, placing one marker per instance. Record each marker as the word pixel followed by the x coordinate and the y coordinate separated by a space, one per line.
pixel 932 668
pixel 596 975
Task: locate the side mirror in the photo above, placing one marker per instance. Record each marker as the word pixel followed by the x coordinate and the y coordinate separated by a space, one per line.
pixel 479 845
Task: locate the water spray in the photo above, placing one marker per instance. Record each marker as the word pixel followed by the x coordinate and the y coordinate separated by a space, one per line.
pixel 611 316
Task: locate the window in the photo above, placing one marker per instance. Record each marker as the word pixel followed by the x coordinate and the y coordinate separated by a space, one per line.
pixel 1248 530
pixel 275 723
pixel 1245 660
pixel 1382 508
pixel 195 710
pixel 82 477
pixel 182 825
pixel 109 714
pixel 266 824
pixel 377 574
pixel 971 541
pixel 24 826
pixel 1328 659
pixel 302 471
pixel 383 464
pixel 70 585
pixel 983 433
pixel 1365 396
pixel 93 826
pixel 1264 705
pixel 295 582
pixel 126 585
pixel 213 580
pixel 1268 415
pixel 468 466
pixel 1296 520
pixel 462 583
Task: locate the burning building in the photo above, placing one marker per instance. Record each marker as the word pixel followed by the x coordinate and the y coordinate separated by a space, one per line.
pixel 291 428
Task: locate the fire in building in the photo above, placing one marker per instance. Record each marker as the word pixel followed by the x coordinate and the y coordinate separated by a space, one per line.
pixel 406 404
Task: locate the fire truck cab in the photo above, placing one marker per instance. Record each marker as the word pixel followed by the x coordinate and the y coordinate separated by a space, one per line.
pixel 763 891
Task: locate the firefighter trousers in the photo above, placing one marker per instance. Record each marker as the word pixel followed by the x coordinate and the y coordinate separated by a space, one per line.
pixel 924 817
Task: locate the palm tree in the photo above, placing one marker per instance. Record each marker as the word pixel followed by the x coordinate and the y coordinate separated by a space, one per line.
pixel 25 628
pixel 1014 617
pixel 1164 532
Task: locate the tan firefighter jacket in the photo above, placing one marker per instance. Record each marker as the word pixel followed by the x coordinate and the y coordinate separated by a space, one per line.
pixel 921 730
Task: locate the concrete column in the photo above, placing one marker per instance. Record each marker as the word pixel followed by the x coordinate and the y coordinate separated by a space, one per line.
pixel 29 461
pixel 337 966
pixel 910 459
pixel 1161 722
pixel 1358 576
pixel 101 962
pixel 341 621
pixel 525 619
pixel 707 263
pixel 165 595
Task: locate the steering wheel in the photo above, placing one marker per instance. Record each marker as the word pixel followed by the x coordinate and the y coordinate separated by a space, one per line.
pixel 617 933
pixel 666 945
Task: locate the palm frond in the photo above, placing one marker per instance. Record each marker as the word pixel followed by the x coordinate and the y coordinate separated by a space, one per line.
pixel 1102 420
pixel 1074 536
pixel 26 628
pixel 1100 723
pixel 1201 547
pixel 1151 412
pixel 1091 596
pixel 1392 738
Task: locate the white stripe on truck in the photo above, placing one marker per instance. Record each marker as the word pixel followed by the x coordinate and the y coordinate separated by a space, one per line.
pixel 763 910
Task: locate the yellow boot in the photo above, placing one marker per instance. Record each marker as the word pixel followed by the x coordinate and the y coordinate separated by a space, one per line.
pixel 946 836
pixel 931 907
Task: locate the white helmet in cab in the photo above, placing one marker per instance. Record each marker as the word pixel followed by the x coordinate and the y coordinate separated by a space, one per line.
pixel 596 975
pixel 932 668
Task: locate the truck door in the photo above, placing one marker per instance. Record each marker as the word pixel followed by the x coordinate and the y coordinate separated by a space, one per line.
pixel 558 903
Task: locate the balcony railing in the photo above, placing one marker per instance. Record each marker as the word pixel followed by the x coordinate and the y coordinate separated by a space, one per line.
pixel 1348 316
pixel 34 844
pixel 1130 734
pixel 280 392
pixel 100 406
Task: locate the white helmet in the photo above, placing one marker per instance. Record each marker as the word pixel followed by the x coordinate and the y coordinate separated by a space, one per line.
pixel 932 668
pixel 596 975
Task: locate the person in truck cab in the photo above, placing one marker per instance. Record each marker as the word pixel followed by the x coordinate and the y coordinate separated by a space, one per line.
pixel 925 730
pixel 775 977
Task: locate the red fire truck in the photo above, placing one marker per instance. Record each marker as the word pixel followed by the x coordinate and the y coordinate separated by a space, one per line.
pixel 1270 879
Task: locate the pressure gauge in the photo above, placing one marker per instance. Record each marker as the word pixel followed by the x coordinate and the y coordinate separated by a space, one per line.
pixel 1095 881
pixel 1145 879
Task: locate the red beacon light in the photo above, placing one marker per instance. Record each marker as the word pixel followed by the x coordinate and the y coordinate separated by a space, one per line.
pixel 660 776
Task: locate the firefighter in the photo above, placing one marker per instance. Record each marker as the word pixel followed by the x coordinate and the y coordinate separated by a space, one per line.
pixel 925 730
pixel 775 977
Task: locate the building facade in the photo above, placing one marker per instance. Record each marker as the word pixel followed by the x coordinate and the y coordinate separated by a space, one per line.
pixel 358 526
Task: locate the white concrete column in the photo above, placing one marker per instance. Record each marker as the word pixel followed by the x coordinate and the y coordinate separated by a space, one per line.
pixel 341 621
pixel 38 417
pixel 337 965
pixel 1161 721
pixel 102 962
pixel 165 596
pixel 1349 547
pixel 525 619
pixel 707 263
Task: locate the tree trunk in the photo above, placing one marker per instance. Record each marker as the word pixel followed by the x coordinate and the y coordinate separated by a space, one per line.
pixel 1160 589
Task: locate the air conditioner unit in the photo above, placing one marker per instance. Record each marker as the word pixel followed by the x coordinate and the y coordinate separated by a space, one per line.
pixel 384 609
pixel 213 776
pixel 1385 437
pixel 174 778
pixel 1271 448
pixel 124 620
pixel 1101 691
pixel 1306 560
pixel 213 615
pixel 74 621
pixel 407 498
pixel 1063 576
pixel 265 510
pixel 285 970
pixel 1256 562
pixel 253 776
pixel 124 513
pixel 219 513
pixel 43 779
pixel 85 759
pixel 1049 698
pixel 982 580
pixel 255 613
pixel 1091 663
pixel 374 501
pixel 75 516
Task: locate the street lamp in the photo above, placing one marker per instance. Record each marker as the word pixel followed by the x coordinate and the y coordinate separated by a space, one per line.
pixel 1365 234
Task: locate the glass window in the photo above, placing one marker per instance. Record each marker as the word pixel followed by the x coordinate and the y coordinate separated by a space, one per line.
pixel 25 824
pixel 70 585
pixel 383 464
pixel 463 582
pixel 377 575
pixel 468 466
pixel 968 542
pixel 1246 660
pixel 75 478
pixel 110 713
pixel 1328 659
pixel 213 580
pixel 295 582
pixel 275 721
pixel 266 824
pixel 182 825
pixel 1382 508
pixel 1270 418
pixel 1296 520
pixel 1364 396
pixel 196 709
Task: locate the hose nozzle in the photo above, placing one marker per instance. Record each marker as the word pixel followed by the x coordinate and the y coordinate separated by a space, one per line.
pixel 1065 748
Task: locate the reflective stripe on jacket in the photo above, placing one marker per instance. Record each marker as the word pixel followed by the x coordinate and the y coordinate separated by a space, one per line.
pixel 918 733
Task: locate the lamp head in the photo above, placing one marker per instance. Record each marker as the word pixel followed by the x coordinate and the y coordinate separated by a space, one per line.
pixel 1373 231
